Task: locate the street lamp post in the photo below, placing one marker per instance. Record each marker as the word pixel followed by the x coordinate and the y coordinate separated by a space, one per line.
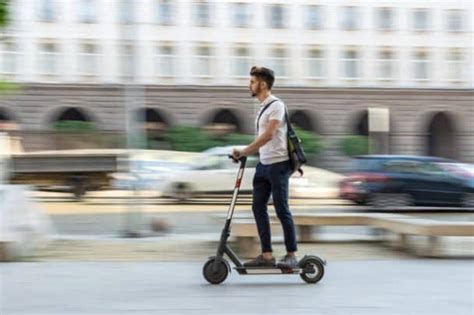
pixel 133 100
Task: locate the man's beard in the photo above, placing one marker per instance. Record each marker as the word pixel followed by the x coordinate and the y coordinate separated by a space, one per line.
pixel 255 93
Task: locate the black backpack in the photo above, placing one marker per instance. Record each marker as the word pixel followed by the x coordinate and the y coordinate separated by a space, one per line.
pixel 295 150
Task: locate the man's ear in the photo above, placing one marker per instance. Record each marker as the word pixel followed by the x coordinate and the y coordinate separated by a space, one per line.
pixel 263 85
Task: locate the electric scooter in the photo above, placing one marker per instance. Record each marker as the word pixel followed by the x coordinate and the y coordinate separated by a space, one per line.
pixel 217 268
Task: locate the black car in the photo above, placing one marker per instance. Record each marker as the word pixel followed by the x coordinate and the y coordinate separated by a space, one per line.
pixel 395 181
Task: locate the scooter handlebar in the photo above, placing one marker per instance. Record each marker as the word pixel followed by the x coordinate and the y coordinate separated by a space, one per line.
pixel 242 159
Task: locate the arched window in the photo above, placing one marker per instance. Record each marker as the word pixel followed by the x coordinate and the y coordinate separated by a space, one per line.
pixel 72 114
pixel 302 119
pixel 441 136
pixel 227 117
pixel 155 124
pixel 361 125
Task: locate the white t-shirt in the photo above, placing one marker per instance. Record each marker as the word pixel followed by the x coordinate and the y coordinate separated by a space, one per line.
pixel 275 150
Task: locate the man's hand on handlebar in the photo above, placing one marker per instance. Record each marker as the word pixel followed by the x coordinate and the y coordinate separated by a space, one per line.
pixel 237 155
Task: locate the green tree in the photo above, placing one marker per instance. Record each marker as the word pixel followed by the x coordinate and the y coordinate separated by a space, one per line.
pixel 355 145
pixel 4 17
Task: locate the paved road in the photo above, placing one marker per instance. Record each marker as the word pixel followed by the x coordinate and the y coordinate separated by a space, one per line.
pixel 435 287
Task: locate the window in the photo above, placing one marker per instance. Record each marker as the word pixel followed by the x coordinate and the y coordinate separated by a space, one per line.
pixel 315 67
pixel 165 61
pixel 202 11
pixel 401 166
pixel 203 61
pixel 278 62
pixel 46 11
pixel 420 20
pixel 9 57
pixel 421 71
pixel 126 11
pixel 454 20
pixel 431 169
pixel 165 13
pixel 240 14
pixel 87 11
pixel 241 62
pixel 455 66
pixel 385 19
pixel 350 64
pixel 314 19
pixel 48 59
pixel 88 60
pixel 385 64
pixel 276 16
pixel 127 61
pixel 349 18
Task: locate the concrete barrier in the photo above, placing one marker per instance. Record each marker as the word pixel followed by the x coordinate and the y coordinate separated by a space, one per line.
pixel 245 233
pixel 23 226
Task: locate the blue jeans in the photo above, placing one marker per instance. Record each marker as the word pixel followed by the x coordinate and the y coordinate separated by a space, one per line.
pixel 273 179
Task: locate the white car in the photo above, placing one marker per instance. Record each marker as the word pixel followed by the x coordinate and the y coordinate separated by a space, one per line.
pixel 215 173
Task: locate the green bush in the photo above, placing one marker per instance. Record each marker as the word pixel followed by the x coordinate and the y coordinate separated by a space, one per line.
pixel 6 87
pixel 189 139
pixel 195 140
pixel 355 145
pixel 74 126
pixel 311 142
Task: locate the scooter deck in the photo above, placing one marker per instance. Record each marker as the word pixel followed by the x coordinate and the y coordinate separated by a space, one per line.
pixel 267 270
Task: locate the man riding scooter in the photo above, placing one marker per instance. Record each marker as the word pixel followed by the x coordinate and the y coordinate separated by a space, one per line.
pixel 272 172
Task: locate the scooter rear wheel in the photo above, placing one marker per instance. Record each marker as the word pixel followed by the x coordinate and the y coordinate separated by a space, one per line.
pixel 215 274
pixel 317 266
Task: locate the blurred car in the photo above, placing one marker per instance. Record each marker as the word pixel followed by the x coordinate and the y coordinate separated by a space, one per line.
pixel 210 172
pixel 214 173
pixel 395 181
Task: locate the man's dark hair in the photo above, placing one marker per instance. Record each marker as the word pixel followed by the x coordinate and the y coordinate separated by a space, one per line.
pixel 264 74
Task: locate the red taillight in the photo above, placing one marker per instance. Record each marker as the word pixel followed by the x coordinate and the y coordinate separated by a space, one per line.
pixel 367 177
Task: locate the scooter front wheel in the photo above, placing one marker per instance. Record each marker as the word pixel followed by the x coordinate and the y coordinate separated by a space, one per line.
pixel 315 267
pixel 215 271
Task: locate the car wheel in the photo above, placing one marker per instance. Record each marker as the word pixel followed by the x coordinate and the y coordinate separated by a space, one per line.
pixel 468 200
pixel 182 192
pixel 390 201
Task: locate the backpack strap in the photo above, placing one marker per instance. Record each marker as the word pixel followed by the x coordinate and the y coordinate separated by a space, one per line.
pixel 265 108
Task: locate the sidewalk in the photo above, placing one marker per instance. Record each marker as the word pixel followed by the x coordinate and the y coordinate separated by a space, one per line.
pixel 194 248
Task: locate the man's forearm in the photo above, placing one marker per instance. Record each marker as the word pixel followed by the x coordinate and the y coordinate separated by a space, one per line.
pixel 256 144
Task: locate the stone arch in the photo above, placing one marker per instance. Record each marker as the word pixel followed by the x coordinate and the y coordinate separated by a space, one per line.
pixel 151 114
pixel 155 121
pixel 441 139
pixel 7 121
pixel 360 123
pixel 227 119
pixel 72 114
pixel 305 120
pixel 5 115
pixel 75 115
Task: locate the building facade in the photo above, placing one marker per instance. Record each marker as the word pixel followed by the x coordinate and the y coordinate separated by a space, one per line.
pixel 190 60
